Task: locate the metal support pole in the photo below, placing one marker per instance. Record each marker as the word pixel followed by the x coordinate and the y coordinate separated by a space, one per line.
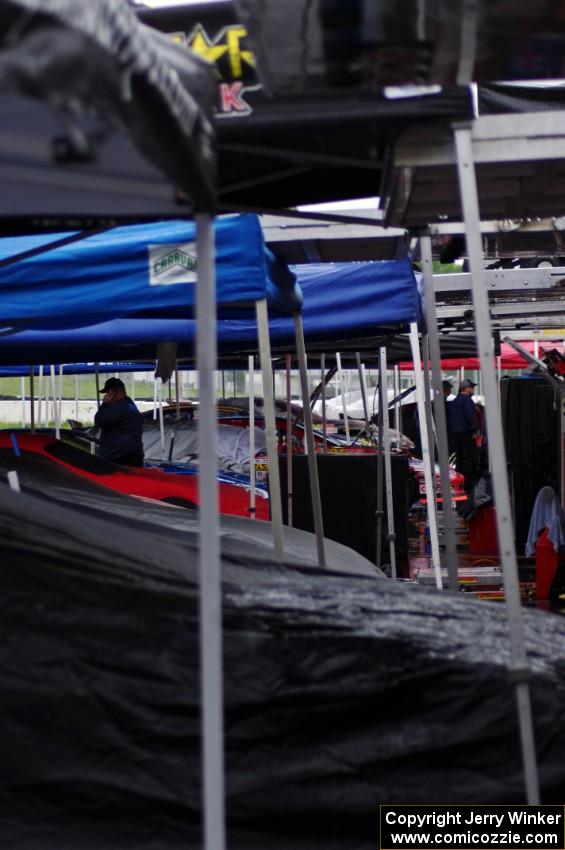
pixel 391 537
pixel 40 399
pixel 398 411
pixel 97 380
pixel 55 405
pixel 324 423
pixel 504 524
pixel 252 490
pixel 426 454
pixel 161 418
pixel 342 393
pixel 23 395
pixel 209 561
pixel 289 439
pixel 449 536
pixel 363 386
pixel 270 428
pixel 32 399
pixel 380 476
pixel 60 393
pixel 177 390
pixel 309 429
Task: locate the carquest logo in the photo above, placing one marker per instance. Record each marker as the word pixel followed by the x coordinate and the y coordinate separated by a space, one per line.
pixel 172 264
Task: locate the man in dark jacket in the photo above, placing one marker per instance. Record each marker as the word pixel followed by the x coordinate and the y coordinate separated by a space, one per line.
pixel 121 426
pixel 463 417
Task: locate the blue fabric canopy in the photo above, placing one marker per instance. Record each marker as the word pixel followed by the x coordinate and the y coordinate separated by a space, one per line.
pixel 140 270
pixel 343 303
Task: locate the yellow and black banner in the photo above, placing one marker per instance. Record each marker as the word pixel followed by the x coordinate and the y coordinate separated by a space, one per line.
pixel 469 827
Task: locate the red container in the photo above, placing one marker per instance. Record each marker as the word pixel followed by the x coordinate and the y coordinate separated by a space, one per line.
pixel 483 539
pixel 547 561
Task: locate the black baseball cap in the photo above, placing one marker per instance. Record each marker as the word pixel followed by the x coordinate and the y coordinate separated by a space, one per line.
pixel 113 384
pixel 464 385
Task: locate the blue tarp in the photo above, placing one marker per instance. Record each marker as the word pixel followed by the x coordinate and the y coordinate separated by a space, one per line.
pixel 343 302
pixel 144 270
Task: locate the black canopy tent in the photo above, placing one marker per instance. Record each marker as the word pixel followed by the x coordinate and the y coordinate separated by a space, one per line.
pixel 81 149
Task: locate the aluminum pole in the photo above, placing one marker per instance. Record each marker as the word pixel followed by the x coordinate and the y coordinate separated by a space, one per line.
pixel 449 535
pixel 32 399
pixel 177 390
pixel 40 399
pixel 251 394
pixel 275 499
pixel 209 559
pixel 379 514
pixel 426 455
pixel 289 440
pixel 23 395
pixel 363 386
pixel 309 429
pixel 519 660
pixel 97 381
pixel 324 423
pixel 342 392
pixel 391 536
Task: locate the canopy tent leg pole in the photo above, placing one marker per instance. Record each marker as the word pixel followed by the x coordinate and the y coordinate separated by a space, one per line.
pixel 40 398
pixel 76 397
pixel 309 429
pixel 270 428
pixel 132 391
pixel 289 440
pixel 55 407
pixel 97 379
pixel 177 389
pixel 398 406
pixel 428 394
pixel 161 417
pixel 430 505
pixel 342 393
pixel 380 515
pixel 23 395
pixel 154 398
pixel 426 455
pixel 60 393
pixel 391 537
pixel 212 703
pixel 252 493
pixel 324 423
pixel 32 399
pixel 223 384
pixel 449 536
pixel 363 386
pixel 519 657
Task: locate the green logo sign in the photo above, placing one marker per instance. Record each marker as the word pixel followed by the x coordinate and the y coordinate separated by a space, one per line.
pixel 174 258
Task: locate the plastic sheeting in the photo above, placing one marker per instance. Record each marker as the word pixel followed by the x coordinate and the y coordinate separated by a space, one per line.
pixel 145 270
pixel 233 443
pixel 342 692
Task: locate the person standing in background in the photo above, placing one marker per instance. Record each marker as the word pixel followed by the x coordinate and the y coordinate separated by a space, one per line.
pixel 463 418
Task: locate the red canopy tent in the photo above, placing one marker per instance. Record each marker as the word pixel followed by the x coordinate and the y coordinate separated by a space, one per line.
pixel 510 359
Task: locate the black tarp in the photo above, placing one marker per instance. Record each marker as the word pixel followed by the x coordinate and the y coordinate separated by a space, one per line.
pixel 531 427
pixel 342 692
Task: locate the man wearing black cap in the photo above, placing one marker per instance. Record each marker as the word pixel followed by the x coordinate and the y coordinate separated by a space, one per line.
pixel 121 426
pixel 463 416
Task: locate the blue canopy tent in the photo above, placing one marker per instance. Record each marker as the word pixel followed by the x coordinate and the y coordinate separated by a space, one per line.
pixel 146 270
pixel 354 300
